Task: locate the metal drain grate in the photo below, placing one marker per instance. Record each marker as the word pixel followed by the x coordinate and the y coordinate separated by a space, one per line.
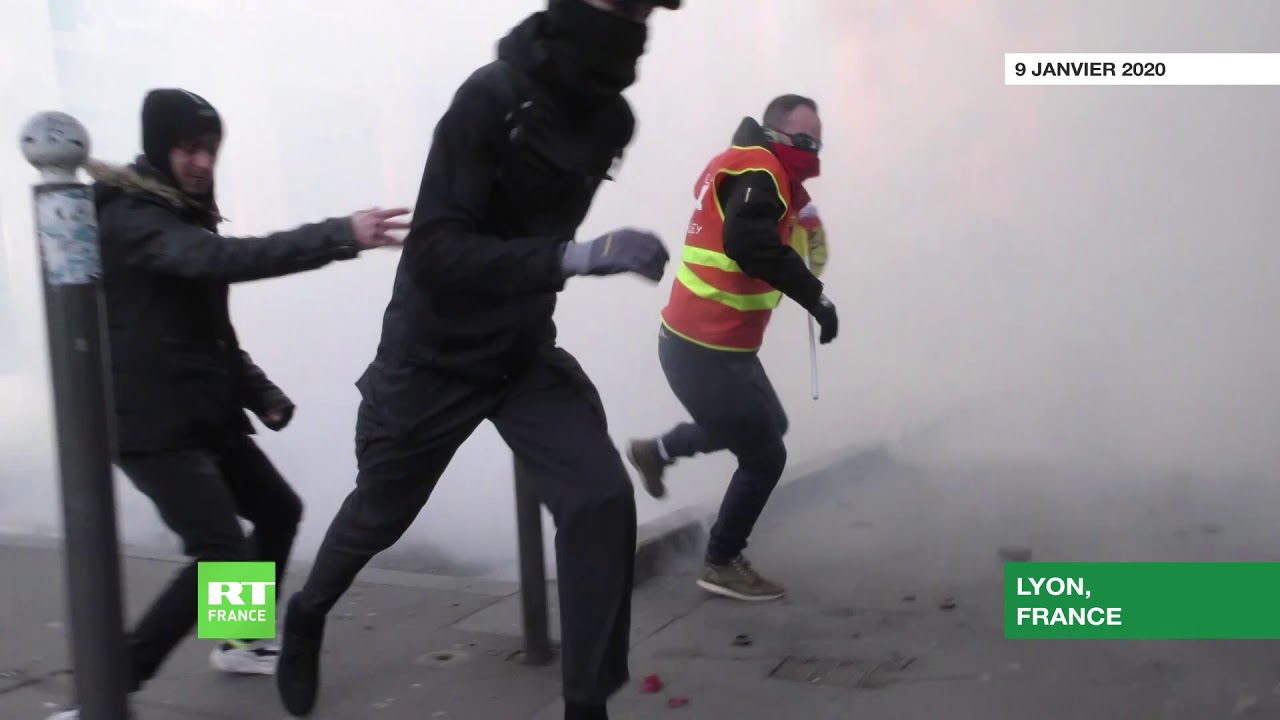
pixel 867 674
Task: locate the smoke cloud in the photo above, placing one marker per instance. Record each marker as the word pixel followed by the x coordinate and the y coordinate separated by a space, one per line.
pixel 1056 275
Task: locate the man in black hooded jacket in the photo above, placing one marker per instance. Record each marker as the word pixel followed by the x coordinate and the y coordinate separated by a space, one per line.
pixel 468 335
pixel 180 381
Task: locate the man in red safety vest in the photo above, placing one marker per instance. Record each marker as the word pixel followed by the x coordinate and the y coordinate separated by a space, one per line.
pixel 738 262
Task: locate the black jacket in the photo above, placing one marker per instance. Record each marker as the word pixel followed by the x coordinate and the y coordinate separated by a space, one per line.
pixel 511 173
pixel 179 377
pixel 752 210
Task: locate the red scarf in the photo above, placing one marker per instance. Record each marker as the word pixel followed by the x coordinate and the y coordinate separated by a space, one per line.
pixel 801 165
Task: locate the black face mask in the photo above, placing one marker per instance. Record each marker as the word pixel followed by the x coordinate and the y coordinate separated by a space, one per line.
pixel 594 52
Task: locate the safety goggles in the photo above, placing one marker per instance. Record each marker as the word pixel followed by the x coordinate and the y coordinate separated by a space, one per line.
pixel 800 141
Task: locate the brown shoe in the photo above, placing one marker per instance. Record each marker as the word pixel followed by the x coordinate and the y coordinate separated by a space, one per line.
pixel 647 461
pixel 738 580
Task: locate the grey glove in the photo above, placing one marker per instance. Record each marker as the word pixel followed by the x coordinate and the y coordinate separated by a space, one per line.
pixel 620 251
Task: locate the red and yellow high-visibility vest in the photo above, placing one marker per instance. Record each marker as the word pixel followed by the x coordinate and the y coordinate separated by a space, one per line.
pixel 713 303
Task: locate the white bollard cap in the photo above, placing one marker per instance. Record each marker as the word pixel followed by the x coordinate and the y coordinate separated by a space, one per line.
pixel 56 144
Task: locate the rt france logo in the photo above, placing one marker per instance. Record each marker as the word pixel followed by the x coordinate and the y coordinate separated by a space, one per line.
pixel 237 600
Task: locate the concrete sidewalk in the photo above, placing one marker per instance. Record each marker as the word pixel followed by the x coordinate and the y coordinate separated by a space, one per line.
pixel 895 611
pixel 399 645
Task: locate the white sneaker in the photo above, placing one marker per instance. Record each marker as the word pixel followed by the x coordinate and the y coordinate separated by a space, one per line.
pixel 242 658
pixel 69 712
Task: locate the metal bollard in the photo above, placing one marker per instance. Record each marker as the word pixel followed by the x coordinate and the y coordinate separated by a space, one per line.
pixel 533 571
pixel 57 145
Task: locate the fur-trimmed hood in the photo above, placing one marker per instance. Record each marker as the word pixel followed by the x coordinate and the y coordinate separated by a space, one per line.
pixel 141 181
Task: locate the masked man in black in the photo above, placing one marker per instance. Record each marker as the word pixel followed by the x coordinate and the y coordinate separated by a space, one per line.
pixel 468 335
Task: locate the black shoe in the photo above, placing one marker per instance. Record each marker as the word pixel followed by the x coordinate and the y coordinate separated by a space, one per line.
pixel 647 461
pixel 574 711
pixel 298 671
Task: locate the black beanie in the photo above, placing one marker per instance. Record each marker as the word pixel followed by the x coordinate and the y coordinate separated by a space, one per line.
pixel 171 116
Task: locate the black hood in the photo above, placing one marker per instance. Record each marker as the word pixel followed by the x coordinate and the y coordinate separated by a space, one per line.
pixel 750 134
pixel 583 53
pixel 523 47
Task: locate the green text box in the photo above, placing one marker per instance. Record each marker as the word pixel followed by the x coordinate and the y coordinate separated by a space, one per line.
pixel 237 600
pixel 1149 600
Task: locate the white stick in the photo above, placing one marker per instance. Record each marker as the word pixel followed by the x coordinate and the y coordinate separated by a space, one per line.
pixel 813 350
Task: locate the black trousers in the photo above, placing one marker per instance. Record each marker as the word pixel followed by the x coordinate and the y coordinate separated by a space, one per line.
pixel 199 495
pixel 410 424
pixel 734 407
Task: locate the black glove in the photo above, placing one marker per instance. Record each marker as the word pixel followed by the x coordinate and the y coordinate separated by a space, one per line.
pixel 620 251
pixel 825 313
pixel 278 417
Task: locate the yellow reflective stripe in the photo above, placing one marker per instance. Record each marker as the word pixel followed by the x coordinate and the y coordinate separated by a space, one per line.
pixel 707 291
pixel 710 258
pixel 707 345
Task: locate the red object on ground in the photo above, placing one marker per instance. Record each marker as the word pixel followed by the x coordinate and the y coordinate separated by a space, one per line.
pixel 676 702
pixel 651 684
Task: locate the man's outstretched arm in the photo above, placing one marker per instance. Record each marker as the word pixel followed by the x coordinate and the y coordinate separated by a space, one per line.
pixel 153 238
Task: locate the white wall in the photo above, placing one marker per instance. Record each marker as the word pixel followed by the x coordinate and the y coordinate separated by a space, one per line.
pixel 28 81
